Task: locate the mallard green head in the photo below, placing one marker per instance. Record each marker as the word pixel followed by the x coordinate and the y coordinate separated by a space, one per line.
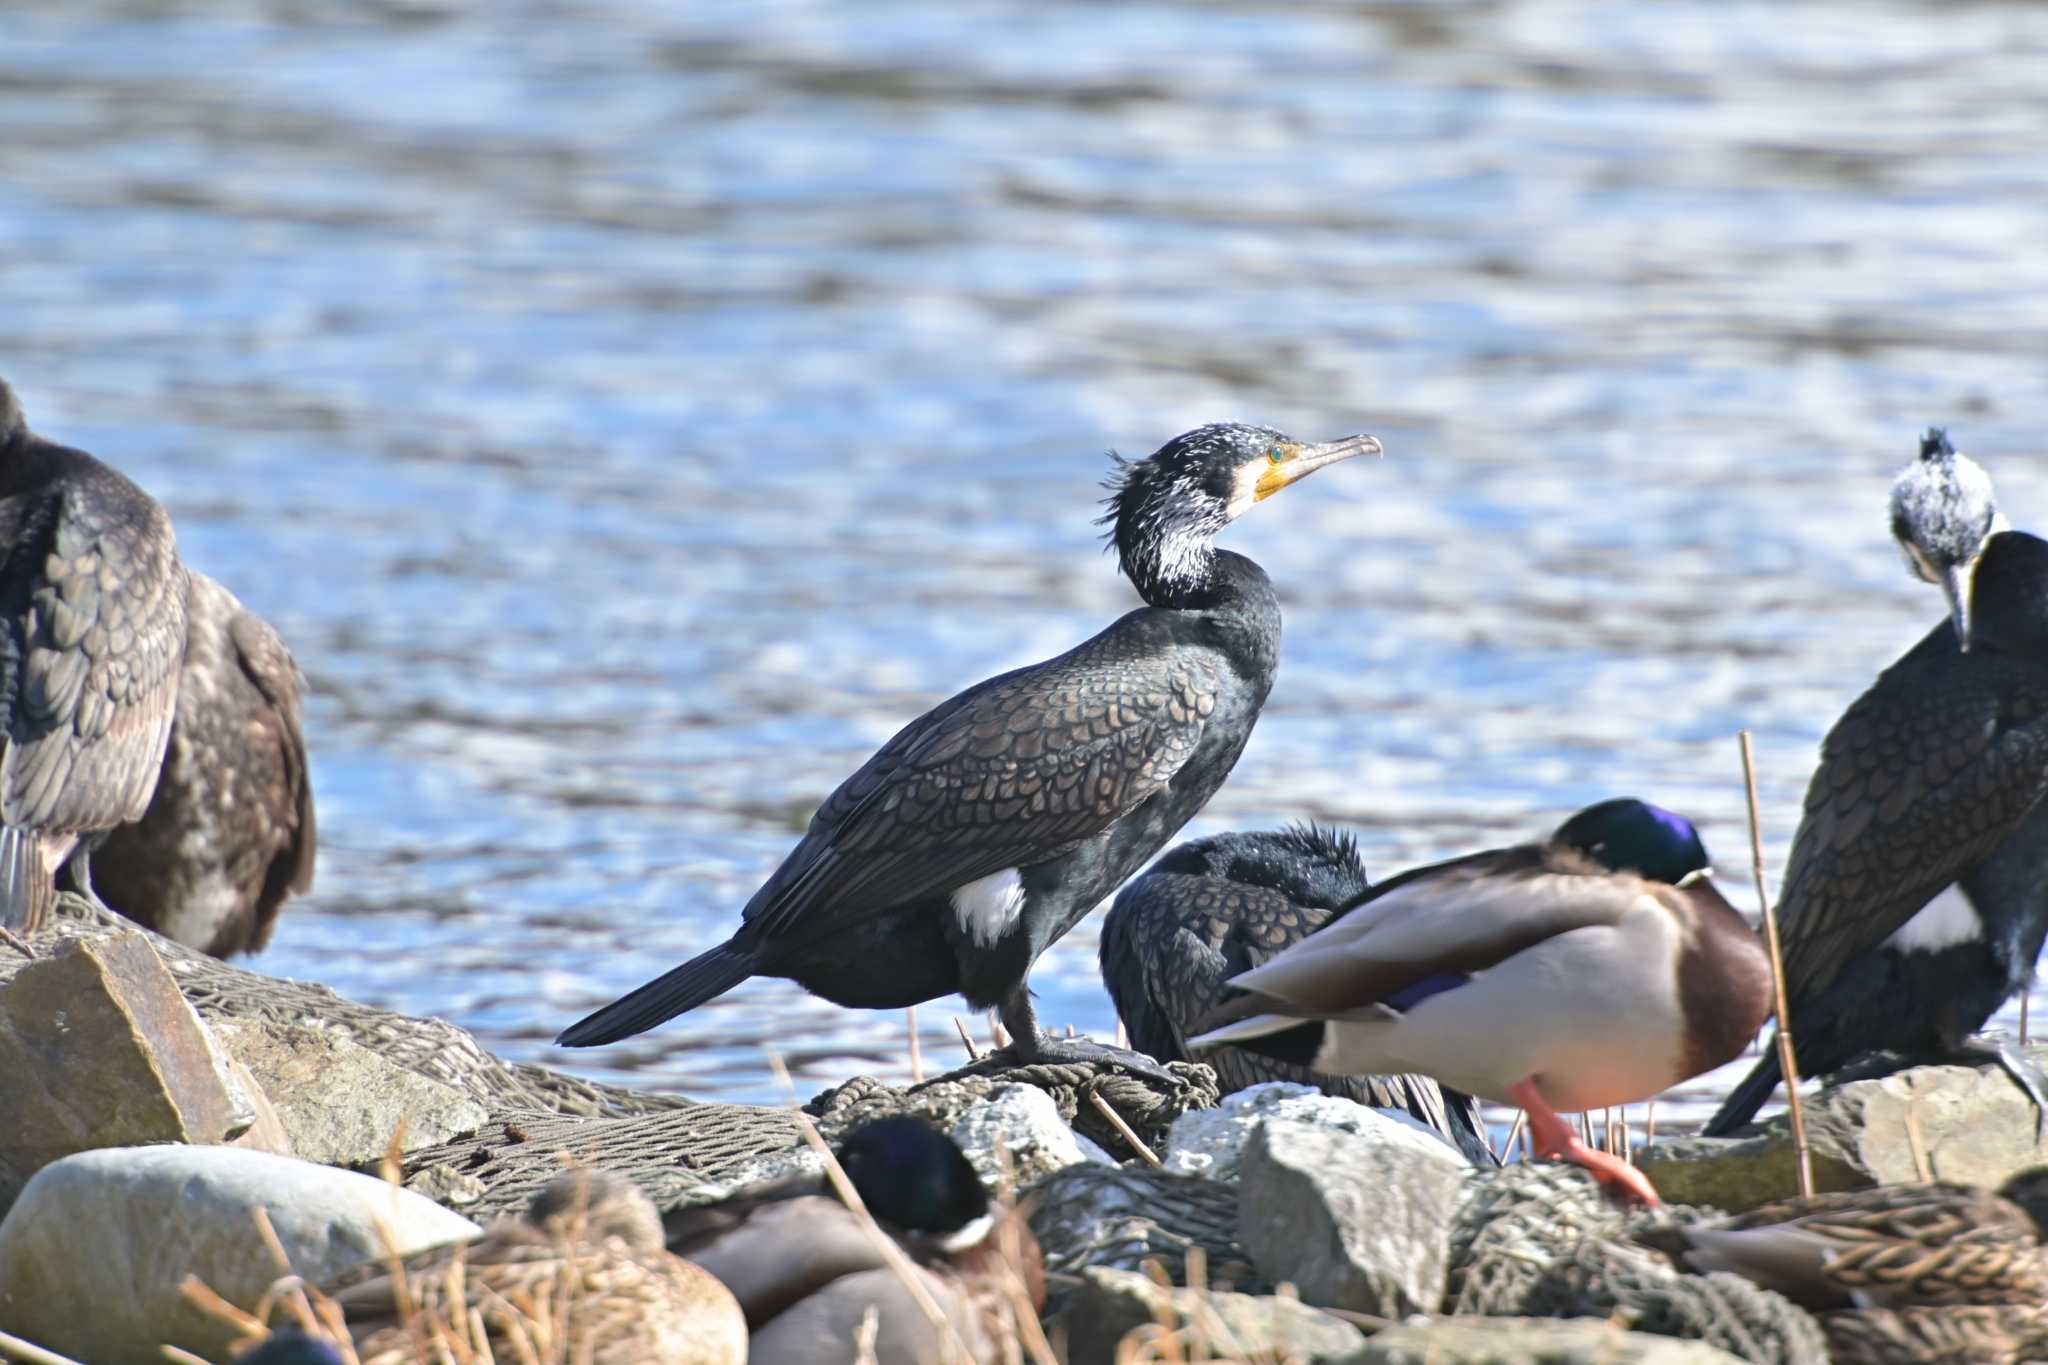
pixel 291 1347
pixel 1627 835
pixel 2029 1189
pixel 911 1174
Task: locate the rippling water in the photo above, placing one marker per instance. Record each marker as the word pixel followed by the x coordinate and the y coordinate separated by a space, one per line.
pixel 632 413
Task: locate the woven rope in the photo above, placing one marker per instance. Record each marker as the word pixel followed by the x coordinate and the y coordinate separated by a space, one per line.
pixel 1095 1215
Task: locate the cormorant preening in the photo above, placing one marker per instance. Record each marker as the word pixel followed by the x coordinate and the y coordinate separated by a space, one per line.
pixel 995 822
pixel 229 836
pixel 92 634
pixel 1212 908
pixel 1598 967
pixel 1933 777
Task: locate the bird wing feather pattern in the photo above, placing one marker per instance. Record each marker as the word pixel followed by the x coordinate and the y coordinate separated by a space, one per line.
pixel 96 645
pixel 1908 798
pixel 1468 915
pixel 1014 771
pixel 268 664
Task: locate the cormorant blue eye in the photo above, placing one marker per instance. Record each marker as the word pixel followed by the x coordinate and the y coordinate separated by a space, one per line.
pixel 1273 455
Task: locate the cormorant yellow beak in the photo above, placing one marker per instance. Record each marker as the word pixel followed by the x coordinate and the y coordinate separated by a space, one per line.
pixel 1291 460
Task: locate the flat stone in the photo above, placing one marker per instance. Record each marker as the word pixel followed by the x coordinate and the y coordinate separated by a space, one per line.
pixel 1531 1341
pixel 1110 1304
pixel 1967 1124
pixel 1016 1136
pixel 341 1103
pixel 108 1010
pixel 92 1254
pixel 1211 1142
pixel 1353 1220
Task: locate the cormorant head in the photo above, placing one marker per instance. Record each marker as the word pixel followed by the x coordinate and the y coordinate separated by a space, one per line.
pixel 1943 511
pixel 1165 509
pixel 1627 835
pixel 912 1175
pixel 590 1206
pixel 290 1346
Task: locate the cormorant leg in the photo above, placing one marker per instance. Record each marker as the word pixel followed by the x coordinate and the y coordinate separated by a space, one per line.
pixel 2025 1072
pixel 1029 1043
pixel 1552 1136
pixel 79 868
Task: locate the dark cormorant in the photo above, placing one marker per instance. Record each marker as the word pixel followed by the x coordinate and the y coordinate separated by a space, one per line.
pixel 1213 908
pixel 92 632
pixel 229 835
pixel 1933 777
pixel 995 822
pixel 1598 967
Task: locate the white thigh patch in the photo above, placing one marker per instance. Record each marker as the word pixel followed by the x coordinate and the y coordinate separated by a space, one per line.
pixel 1943 922
pixel 988 907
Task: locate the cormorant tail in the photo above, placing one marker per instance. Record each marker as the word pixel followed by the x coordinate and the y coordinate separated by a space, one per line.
pixel 701 978
pixel 26 888
pixel 1741 1105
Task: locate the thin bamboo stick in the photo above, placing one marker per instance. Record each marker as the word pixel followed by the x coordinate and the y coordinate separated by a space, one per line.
pixel 1788 1061
pixel 916 1055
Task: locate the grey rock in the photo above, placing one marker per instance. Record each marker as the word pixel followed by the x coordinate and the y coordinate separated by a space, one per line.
pixel 110 1010
pixel 1211 1142
pixel 1531 1341
pixel 1110 1304
pixel 1360 1221
pixel 1123 1216
pixel 340 1102
pixel 1016 1136
pixel 1961 1123
pixel 92 1254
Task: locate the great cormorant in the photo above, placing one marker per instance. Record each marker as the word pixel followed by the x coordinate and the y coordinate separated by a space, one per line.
pixel 1599 967
pixel 229 835
pixel 1933 777
pixel 995 822
pixel 92 635
pixel 1213 908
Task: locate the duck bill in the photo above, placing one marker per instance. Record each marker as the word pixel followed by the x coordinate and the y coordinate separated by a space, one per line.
pixel 1955 585
pixel 1307 459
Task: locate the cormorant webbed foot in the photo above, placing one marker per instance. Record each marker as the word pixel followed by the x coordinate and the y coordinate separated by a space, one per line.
pixel 1088 1052
pixel 2026 1073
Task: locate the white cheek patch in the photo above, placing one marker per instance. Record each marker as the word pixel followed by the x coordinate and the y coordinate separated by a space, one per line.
pixel 989 906
pixel 1943 922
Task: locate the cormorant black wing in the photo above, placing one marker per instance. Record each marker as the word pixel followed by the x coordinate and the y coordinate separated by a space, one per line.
pixel 269 666
pixel 1014 771
pixel 94 621
pixel 1924 775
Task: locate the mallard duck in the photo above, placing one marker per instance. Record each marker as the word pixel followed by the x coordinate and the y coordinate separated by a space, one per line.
pixel 290 1346
pixel 1214 907
pixel 585 1268
pixel 1598 967
pixel 807 1273
pixel 2001 1334
pixel 992 824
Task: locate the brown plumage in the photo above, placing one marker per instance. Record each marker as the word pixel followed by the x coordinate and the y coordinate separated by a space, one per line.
pixel 2001 1335
pixel 583 1277
pixel 92 636
pixel 229 835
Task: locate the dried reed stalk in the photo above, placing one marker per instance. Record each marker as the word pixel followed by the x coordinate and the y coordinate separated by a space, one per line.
pixel 14 1348
pixel 1116 1121
pixel 916 1056
pixel 16 942
pixel 1788 1061
pixel 973 1052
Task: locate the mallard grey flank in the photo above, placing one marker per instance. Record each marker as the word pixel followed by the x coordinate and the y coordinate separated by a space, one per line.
pixel 92 635
pixel 1213 908
pixel 1933 778
pixel 229 835
pixel 585 1267
pixel 1599 967
pixel 991 825
pixel 807 1273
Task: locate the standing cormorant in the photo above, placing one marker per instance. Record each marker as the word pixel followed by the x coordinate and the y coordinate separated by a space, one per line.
pixel 1599 967
pixel 92 634
pixel 995 822
pixel 1933 777
pixel 229 836
pixel 1213 908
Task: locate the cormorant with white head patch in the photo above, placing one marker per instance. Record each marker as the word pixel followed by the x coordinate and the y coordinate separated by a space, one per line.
pixel 92 636
pixel 994 823
pixel 1214 908
pixel 1933 778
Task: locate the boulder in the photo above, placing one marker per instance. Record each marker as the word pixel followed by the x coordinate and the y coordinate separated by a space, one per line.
pixel 1968 1124
pixel 1110 1304
pixel 94 1251
pixel 341 1103
pixel 1531 1341
pixel 109 1010
pixel 1210 1142
pixel 1016 1136
pixel 1360 1221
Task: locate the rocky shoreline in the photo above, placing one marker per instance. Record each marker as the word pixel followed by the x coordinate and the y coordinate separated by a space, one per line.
pixel 214 1091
